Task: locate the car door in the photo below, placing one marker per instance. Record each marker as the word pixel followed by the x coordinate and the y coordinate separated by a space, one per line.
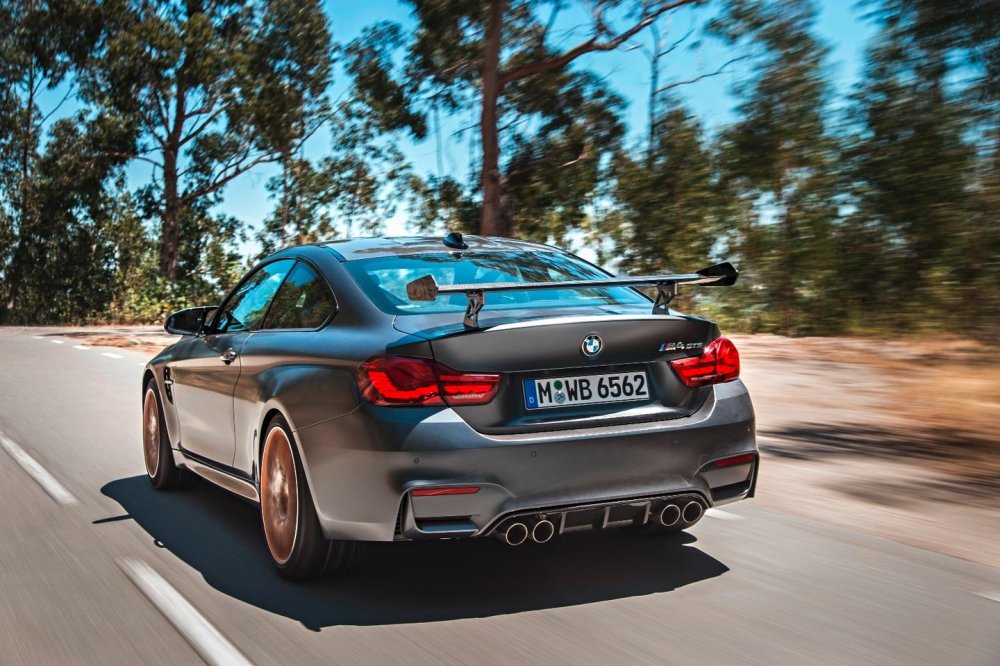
pixel 204 380
pixel 289 359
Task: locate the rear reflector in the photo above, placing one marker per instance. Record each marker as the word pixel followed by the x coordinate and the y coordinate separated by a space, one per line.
pixel 735 460
pixel 433 492
pixel 720 362
pixel 404 381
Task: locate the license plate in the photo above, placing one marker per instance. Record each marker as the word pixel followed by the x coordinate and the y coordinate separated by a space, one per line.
pixel 585 390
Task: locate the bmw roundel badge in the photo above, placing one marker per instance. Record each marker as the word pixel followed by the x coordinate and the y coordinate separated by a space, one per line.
pixel 592 345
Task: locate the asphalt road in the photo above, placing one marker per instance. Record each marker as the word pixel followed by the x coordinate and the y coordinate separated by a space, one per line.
pixel 96 567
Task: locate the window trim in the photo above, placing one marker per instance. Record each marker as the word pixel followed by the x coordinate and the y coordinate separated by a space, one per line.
pixel 329 289
pixel 243 281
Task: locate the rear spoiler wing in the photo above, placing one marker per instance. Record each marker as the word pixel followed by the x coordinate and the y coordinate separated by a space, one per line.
pixel 427 289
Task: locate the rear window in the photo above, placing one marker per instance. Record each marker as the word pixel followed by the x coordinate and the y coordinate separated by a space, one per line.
pixel 385 280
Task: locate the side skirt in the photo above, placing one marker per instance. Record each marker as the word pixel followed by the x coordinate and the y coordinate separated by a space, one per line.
pixel 226 478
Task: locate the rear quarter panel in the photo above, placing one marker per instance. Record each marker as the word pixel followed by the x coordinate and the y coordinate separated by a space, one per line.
pixel 307 376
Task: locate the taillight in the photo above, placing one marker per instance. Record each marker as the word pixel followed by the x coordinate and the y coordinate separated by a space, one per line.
pixel 399 380
pixel 466 388
pixel 407 381
pixel 720 362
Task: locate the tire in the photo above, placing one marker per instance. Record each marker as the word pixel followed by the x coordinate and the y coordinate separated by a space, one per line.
pixel 295 541
pixel 159 461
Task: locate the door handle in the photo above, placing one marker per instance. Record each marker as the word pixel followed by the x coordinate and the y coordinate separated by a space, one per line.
pixel 228 356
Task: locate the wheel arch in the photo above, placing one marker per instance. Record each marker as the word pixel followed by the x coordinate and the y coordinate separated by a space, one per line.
pixel 265 423
pixel 146 376
pixel 270 412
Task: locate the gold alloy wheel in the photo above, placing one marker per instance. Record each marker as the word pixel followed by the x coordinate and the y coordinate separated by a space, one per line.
pixel 151 432
pixel 279 492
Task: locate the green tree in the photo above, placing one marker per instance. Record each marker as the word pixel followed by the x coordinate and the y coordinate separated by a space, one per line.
pixel 780 156
pixel 664 217
pixel 972 27
pixel 290 68
pixel 910 169
pixel 354 188
pixel 491 54
pixel 216 89
pixel 42 44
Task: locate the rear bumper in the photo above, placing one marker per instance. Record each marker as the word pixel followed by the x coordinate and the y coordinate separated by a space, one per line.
pixel 362 466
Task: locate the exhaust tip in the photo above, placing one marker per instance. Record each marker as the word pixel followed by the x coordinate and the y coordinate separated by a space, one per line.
pixel 670 515
pixel 543 531
pixel 515 534
pixel 692 512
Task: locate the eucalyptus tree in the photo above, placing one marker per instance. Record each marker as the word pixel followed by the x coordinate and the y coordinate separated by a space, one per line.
pixel 493 55
pixel 216 89
pixel 780 154
pixel 912 172
pixel 41 44
pixel 665 198
pixel 942 60
pixel 290 63
pixel 353 188
pixel 971 27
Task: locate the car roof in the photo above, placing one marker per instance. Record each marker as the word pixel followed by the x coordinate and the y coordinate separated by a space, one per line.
pixel 388 246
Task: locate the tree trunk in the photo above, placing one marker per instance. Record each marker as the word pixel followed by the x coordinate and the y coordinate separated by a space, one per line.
pixel 26 222
pixel 286 162
pixel 170 232
pixel 491 223
pixel 786 264
pixel 654 82
pixel 654 86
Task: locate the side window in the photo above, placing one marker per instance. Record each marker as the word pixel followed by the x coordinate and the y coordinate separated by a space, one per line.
pixel 246 308
pixel 303 301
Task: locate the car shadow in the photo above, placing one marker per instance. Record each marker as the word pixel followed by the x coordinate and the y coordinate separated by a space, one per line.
pixel 220 536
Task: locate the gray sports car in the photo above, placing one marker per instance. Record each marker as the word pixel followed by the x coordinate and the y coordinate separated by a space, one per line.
pixel 419 388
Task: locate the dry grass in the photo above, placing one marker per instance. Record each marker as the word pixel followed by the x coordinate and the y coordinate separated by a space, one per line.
pixel 896 438
pixel 941 395
pixel 150 346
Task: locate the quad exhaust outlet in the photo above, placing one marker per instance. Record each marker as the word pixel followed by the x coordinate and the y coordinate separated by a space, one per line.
pixel 543 531
pixel 692 512
pixel 679 511
pixel 515 534
pixel 669 515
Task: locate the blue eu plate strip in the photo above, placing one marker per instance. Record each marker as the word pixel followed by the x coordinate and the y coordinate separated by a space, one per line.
pixel 530 394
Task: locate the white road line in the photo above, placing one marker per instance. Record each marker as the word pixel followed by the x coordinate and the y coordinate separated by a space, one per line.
pixel 992 595
pixel 213 647
pixel 38 337
pixel 57 342
pixel 48 482
pixel 112 355
pixel 81 347
pixel 141 364
pixel 722 515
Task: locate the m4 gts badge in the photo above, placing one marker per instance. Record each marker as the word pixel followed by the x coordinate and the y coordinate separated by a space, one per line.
pixel 680 346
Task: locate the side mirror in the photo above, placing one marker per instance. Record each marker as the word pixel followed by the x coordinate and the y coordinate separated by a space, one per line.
pixel 190 321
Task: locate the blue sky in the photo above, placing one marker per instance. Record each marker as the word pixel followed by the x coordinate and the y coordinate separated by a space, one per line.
pixel 840 25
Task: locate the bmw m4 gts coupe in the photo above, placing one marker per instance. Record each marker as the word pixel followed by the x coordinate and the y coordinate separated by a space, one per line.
pixel 419 388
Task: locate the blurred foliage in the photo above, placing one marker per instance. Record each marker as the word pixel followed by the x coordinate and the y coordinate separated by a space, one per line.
pixel 873 212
